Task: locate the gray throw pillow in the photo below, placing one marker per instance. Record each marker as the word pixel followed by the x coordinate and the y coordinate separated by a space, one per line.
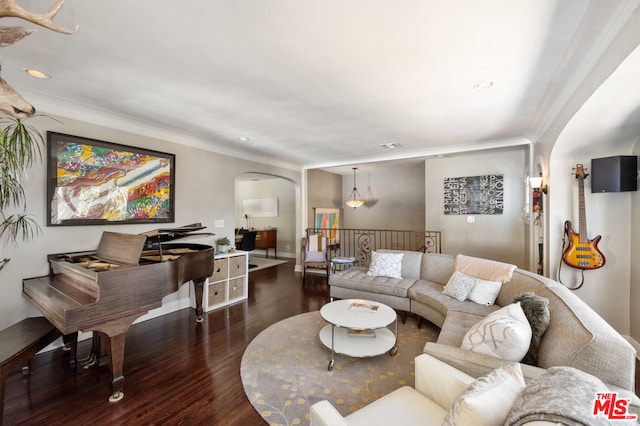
pixel 536 309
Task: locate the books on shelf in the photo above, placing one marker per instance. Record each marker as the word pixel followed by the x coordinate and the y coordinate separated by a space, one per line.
pixel 361 333
pixel 364 307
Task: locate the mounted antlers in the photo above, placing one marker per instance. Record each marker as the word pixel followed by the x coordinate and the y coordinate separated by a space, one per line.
pixel 11 8
pixel 11 102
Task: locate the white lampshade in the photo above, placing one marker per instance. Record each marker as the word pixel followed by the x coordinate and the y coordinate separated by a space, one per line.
pixel 355 200
pixel 536 181
pixel 355 203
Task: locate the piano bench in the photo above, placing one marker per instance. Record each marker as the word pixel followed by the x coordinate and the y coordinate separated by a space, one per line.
pixel 20 342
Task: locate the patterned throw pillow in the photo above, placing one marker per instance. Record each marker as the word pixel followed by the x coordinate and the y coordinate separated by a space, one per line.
pixel 386 265
pixel 485 292
pixel 459 286
pixel 488 399
pixel 504 334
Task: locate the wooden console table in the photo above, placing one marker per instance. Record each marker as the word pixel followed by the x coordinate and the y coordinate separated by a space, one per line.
pixel 267 239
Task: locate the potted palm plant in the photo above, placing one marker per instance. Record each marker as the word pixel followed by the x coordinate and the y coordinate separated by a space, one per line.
pixel 21 146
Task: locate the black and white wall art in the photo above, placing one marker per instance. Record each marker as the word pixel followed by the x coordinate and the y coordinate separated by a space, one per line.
pixel 474 195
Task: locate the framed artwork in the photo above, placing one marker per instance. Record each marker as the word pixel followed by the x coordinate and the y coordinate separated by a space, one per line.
pixel 474 195
pixel 92 182
pixel 329 220
pixel 263 207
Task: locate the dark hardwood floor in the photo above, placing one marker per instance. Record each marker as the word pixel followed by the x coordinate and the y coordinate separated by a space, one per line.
pixel 176 371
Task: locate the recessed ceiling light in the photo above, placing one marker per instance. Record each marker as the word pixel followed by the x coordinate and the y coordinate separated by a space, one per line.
pixel 483 85
pixel 390 145
pixel 244 139
pixel 36 73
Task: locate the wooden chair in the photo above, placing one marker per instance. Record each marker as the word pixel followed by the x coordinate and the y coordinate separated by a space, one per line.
pixel 315 254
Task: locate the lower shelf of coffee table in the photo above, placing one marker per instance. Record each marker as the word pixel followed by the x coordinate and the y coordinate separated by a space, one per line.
pixel 358 346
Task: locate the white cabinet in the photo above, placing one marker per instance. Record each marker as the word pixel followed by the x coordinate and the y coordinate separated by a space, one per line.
pixel 229 282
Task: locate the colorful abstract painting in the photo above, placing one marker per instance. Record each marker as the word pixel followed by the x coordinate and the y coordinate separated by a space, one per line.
pixel 96 182
pixel 329 221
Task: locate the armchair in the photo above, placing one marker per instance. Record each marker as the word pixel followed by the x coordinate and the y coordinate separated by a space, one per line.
pixel 315 254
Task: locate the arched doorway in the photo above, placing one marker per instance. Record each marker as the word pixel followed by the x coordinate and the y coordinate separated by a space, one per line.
pixel 267 202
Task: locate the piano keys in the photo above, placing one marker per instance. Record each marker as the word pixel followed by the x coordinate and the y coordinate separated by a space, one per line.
pixel 108 289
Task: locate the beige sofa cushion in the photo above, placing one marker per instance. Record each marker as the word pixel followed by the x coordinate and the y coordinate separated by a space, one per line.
pixel 357 279
pixel 457 324
pixel 430 293
pixel 436 267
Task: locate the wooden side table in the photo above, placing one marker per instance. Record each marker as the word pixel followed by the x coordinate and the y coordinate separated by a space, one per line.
pixel 267 239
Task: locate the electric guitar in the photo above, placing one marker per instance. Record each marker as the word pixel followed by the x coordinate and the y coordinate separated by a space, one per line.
pixel 582 253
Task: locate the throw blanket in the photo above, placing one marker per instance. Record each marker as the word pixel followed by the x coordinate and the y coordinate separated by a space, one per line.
pixel 564 395
pixel 484 269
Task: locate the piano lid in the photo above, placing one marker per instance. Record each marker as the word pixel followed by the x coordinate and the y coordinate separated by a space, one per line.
pixel 163 235
pixel 115 247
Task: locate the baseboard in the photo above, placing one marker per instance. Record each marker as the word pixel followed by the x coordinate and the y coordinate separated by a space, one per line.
pixel 263 252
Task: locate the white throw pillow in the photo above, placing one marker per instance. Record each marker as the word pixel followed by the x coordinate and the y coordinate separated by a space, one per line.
pixel 459 286
pixel 485 292
pixel 504 334
pixel 488 399
pixel 315 256
pixel 386 265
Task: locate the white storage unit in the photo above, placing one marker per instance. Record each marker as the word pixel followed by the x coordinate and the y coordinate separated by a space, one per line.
pixel 229 282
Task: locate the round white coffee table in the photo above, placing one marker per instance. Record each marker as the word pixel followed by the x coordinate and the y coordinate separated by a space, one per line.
pixel 358 328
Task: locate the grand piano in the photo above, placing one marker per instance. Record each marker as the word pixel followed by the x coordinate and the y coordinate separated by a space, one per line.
pixel 106 290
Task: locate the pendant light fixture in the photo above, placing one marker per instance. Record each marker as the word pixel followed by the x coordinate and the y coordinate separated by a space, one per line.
pixel 354 200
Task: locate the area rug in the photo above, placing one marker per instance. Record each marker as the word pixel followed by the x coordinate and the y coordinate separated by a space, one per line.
pixel 258 263
pixel 284 370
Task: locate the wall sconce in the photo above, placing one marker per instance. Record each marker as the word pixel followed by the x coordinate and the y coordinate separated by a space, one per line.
pixel 537 184
pixel 538 190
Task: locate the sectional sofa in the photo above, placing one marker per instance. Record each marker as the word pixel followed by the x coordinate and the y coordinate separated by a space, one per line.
pixel 576 336
pixel 445 396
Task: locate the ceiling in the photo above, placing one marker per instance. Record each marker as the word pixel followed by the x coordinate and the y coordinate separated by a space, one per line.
pixel 318 83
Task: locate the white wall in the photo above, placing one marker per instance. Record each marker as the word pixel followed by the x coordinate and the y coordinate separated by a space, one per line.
pixel 500 237
pixel 284 222
pixel 634 253
pixel 609 215
pixel 204 193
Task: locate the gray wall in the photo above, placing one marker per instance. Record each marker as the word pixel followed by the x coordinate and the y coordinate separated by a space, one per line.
pixel 204 193
pixel 500 237
pixel 394 199
pixel 324 190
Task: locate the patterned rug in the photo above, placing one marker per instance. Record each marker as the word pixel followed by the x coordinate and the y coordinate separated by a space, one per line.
pixel 284 370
